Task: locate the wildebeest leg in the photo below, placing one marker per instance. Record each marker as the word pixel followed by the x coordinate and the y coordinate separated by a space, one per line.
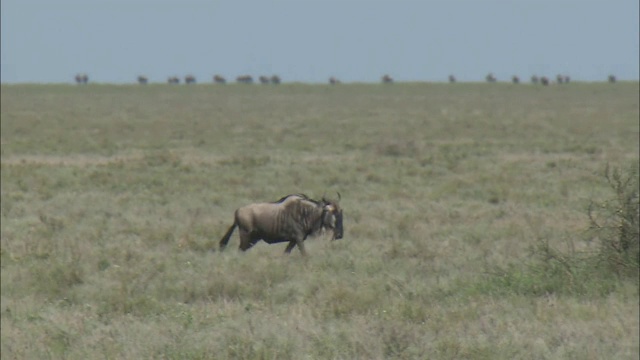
pixel 247 247
pixel 300 243
pixel 247 240
pixel 291 245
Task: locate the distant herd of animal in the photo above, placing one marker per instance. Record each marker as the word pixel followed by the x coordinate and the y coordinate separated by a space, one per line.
pixel 386 79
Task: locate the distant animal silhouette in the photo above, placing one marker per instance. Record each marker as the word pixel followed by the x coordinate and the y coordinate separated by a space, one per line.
pixel 82 78
pixel 245 79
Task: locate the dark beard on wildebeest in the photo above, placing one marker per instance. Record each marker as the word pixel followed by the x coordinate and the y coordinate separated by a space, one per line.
pixel 292 219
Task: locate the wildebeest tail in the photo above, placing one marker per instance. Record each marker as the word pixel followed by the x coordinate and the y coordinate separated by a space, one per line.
pixel 225 239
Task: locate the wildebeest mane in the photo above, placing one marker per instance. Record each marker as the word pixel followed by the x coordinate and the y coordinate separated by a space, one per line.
pixel 303 196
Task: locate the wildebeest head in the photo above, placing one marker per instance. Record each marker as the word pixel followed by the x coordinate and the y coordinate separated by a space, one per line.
pixel 332 217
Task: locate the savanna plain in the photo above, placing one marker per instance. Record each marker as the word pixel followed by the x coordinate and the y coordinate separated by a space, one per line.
pixel 481 221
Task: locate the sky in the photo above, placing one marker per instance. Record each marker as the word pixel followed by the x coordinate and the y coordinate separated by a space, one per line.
pixel 114 41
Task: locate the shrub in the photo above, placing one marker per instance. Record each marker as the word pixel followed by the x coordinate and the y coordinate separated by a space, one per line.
pixel 614 223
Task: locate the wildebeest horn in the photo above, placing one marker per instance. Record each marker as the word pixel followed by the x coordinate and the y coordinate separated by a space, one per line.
pixel 339 197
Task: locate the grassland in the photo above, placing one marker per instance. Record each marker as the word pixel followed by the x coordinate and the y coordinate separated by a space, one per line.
pixel 114 198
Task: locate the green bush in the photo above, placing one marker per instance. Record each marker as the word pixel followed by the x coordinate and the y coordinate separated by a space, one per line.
pixel 614 222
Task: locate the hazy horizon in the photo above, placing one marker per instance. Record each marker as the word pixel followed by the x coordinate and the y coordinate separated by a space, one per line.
pixel 355 41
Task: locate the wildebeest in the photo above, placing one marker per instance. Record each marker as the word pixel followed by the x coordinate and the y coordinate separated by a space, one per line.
pixel 142 80
pixel 612 78
pixel 452 79
pixel 567 79
pixel 544 80
pixel 291 219
pixel 334 81
pixel 490 78
pixel 534 79
pixel 386 79
pixel 515 79
pixel 219 79
pixel 263 79
pixel 245 79
pixel 559 79
pixel 275 79
pixel 173 80
pixel 82 78
pixel 189 79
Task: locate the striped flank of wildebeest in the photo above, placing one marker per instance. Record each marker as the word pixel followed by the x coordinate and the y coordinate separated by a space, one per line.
pixel 244 79
pixel 290 219
pixel 219 79
pixel 142 80
pixel 82 78
pixel 386 79
pixel 189 79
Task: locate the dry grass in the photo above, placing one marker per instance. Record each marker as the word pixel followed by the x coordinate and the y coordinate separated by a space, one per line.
pixel 114 198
